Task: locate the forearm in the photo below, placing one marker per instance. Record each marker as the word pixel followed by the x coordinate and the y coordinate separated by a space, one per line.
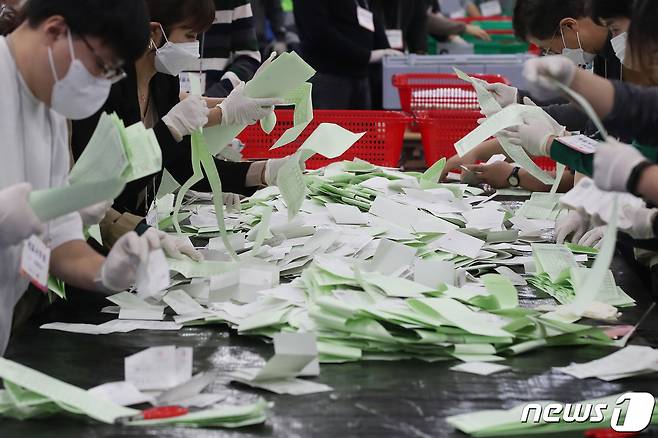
pixel 648 185
pixel 77 264
pixel 472 10
pixel 531 183
pixel 598 91
pixel 487 149
pixel 440 26
pixel 214 117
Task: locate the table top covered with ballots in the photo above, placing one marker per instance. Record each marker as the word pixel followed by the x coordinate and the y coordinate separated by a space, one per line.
pixel 353 300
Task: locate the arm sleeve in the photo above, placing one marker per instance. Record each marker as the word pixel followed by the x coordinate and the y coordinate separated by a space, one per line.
pixel 634 114
pixel 568 115
pixel 274 14
pixel 323 34
pixel 440 26
pixel 381 40
pixel 417 33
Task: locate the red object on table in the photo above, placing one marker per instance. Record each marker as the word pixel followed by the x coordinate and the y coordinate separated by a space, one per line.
pixel 608 433
pixel 163 412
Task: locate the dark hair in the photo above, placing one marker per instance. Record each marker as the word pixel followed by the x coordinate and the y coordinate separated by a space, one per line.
pixel 643 36
pixel 607 9
pixel 541 18
pixel 121 24
pixel 195 14
pixel 10 18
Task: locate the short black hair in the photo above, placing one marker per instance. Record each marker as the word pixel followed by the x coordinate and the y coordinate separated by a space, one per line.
pixel 643 36
pixel 195 14
pixel 121 24
pixel 541 18
pixel 607 9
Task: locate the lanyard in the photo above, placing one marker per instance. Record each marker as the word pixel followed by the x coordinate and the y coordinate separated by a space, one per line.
pixel 365 5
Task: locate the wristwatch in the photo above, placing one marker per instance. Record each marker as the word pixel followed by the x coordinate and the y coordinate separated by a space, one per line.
pixel 513 179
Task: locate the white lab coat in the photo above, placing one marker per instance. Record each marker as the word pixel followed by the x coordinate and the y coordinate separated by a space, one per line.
pixel 33 148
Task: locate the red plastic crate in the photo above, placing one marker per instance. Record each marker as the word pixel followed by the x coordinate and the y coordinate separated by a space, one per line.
pixel 461 97
pixel 381 145
pixel 441 129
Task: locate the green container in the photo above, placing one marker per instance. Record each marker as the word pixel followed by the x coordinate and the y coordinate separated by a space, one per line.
pixel 494 24
pixel 499 45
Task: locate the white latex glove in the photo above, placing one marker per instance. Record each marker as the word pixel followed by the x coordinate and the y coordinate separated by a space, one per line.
pixel 231 201
pixel 538 73
pixel 174 248
pixel 613 164
pixel 17 219
pixel 119 272
pixel 533 134
pixel 594 237
pixel 187 116
pixel 573 224
pixel 272 168
pixel 238 109
pixel 376 56
pixel 642 219
pixel 94 214
pixel 504 94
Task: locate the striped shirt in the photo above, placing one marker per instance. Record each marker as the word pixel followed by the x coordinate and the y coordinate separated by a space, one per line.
pixel 230 50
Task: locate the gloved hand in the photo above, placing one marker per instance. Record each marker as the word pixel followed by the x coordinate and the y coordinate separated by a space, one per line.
pixel 573 224
pixel 642 220
pixel 174 248
pixel 94 214
pixel 376 56
pixel 119 272
pixel 613 164
pixel 17 219
pixel 272 168
pixel 238 109
pixel 231 201
pixel 594 237
pixel 504 94
pixel 538 72
pixel 187 116
pixel 533 134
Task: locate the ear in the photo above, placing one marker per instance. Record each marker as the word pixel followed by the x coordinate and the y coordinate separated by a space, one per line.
pixel 156 33
pixel 54 28
pixel 569 23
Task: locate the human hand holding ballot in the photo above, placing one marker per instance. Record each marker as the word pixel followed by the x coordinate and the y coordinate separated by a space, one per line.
pixel 119 271
pixel 543 73
pixel 187 116
pixel 18 220
pixel 239 109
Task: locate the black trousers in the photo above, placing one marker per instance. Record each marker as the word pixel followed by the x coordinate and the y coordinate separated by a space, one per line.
pixel 332 92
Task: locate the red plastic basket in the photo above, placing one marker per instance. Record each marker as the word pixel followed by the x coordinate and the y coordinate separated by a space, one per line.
pixel 441 129
pixel 381 145
pixel 438 91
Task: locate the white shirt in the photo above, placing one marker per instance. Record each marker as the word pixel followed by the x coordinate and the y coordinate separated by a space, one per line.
pixel 33 148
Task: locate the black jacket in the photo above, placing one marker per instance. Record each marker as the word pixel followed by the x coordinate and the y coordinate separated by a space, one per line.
pixel 333 41
pixel 411 17
pixel 176 157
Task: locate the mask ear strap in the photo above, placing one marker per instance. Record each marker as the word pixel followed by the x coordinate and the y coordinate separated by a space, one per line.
pixel 164 35
pixel 564 41
pixel 52 63
pixel 68 33
pixel 578 36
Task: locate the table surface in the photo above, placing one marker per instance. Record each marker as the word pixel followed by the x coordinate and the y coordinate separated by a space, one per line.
pixel 400 399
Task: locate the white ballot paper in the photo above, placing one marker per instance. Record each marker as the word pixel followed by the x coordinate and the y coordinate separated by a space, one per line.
pixel 295 354
pixel 159 368
pixel 121 393
pixel 631 361
pixel 153 276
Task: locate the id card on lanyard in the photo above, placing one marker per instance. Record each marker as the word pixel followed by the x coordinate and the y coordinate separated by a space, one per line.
pixel 491 8
pixel 365 17
pixel 35 262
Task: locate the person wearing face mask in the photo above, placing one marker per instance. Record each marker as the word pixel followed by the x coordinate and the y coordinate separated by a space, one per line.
pixel 60 63
pixel 151 94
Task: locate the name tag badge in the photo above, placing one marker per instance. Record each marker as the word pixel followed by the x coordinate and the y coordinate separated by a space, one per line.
pixel 35 262
pixel 580 143
pixel 452 8
pixel 491 8
pixel 395 39
pixel 366 19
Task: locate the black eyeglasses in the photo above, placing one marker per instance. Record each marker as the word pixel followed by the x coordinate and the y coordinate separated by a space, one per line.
pixel 112 73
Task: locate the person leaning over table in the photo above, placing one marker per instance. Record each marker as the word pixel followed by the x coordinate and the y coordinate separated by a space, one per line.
pixel 150 94
pixel 556 26
pixel 60 64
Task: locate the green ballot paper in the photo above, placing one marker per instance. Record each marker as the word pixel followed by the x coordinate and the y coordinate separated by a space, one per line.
pixel 53 203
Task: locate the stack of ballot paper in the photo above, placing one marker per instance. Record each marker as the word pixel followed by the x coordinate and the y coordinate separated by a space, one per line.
pixel 628 362
pixel 31 394
pixel 506 423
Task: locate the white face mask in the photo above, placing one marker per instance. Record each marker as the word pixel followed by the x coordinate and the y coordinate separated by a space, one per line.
pixel 619 46
pixel 175 58
pixel 580 57
pixel 79 94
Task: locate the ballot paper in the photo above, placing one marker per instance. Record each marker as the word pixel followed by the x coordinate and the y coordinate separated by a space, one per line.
pixel 293 353
pixel 159 368
pixel 347 214
pixel 480 368
pixel 114 326
pixel 121 393
pixel 153 276
pixel 133 307
pixel 460 243
pixel 628 362
pixel 185 306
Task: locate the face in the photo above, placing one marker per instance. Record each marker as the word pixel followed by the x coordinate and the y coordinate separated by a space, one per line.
pixel 177 34
pixel 97 57
pixel 570 29
pixel 617 25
